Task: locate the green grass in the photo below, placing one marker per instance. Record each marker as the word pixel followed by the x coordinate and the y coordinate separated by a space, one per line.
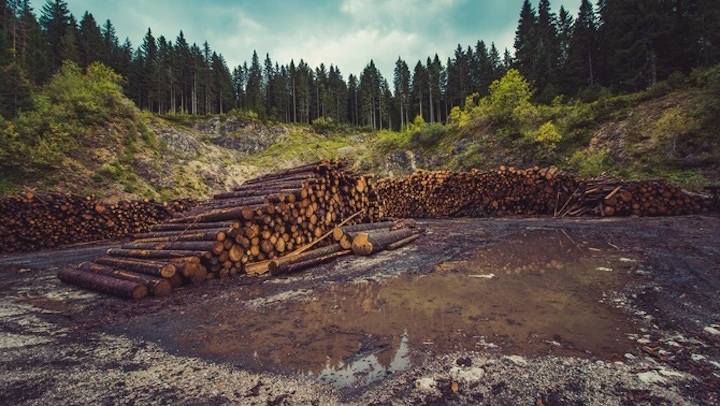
pixel 301 146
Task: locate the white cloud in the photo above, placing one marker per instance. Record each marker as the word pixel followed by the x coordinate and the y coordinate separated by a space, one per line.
pixel 351 51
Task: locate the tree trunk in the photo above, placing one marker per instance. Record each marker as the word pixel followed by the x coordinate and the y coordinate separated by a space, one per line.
pixel 103 283
pixel 367 243
pixel 158 287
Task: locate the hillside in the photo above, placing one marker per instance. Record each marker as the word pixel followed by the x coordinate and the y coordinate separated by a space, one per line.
pixel 88 138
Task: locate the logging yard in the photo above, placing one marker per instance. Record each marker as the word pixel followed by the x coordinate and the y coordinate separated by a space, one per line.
pixel 320 285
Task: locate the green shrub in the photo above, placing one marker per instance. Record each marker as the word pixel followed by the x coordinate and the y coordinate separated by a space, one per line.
pixel 324 125
pixel 508 94
pixel 428 135
pixel 65 113
pixel 590 164
pixel 245 114
pixel 388 141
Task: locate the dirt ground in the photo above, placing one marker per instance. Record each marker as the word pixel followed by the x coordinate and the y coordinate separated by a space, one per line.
pixel 526 311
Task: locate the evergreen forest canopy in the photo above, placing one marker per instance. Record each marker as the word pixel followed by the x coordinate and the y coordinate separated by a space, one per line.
pixel 623 45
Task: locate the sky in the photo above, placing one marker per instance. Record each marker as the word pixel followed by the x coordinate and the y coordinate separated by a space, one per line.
pixel 345 33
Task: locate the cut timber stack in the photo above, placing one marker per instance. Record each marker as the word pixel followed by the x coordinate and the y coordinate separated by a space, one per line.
pixel 536 191
pixel 611 196
pixel 35 221
pixel 243 230
pixel 505 191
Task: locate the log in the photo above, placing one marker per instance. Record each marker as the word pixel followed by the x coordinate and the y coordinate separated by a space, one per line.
pixel 156 254
pixel 215 235
pixel 162 270
pixel 403 242
pixel 223 214
pixel 279 266
pixel 215 247
pixel 338 232
pixel 367 243
pixel 218 225
pixel 158 287
pixel 103 283
pixel 298 266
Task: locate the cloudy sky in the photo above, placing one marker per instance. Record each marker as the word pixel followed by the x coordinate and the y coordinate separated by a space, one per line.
pixel 346 33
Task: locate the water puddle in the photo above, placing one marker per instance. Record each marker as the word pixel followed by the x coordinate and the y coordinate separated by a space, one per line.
pixel 537 293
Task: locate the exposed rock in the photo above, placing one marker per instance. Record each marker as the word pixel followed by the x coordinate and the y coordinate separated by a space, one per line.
pixel 426 384
pixel 242 135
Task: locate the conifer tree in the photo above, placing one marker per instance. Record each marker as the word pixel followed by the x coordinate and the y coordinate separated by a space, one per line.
pixel 55 20
pixel 254 88
pixel 581 64
pixel 526 40
pixel 90 41
pixel 419 87
pixel 401 82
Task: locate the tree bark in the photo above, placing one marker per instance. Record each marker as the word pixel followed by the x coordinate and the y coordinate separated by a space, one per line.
pixel 103 283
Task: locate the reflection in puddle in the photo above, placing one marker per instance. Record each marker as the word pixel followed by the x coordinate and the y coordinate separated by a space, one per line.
pixel 366 369
pixel 544 300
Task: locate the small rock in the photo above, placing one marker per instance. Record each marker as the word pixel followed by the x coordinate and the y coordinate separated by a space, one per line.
pixel 463 362
pixel 426 384
pixel 697 357
pixel 485 276
pixel 604 269
pixel 467 375
pixel 517 360
pixel 629 356
pixel 651 377
pixel 712 330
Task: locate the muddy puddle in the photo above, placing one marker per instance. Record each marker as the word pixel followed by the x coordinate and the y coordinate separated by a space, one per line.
pixel 535 293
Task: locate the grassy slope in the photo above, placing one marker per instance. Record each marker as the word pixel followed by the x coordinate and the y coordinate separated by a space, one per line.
pixel 664 132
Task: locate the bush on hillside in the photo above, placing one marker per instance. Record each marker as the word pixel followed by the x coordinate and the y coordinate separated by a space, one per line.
pixel 64 113
pixel 425 135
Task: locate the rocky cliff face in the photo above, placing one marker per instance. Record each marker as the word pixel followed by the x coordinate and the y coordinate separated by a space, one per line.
pixel 248 137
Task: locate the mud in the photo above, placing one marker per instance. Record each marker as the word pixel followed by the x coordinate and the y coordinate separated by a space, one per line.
pixel 505 311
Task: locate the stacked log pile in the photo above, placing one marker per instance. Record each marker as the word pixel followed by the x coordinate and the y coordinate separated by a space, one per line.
pixel 536 191
pixel 611 196
pixel 274 216
pixel 505 191
pixel 34 221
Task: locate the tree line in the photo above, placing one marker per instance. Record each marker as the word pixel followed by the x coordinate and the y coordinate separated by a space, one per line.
pixel 624 45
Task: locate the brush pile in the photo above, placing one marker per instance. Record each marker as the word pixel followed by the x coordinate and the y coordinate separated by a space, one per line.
pixel 35 221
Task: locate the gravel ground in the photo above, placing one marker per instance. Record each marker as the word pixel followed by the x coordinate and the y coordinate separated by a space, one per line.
pixel 63 345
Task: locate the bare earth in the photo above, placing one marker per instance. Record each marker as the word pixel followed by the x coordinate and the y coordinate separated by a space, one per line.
pixel 478 311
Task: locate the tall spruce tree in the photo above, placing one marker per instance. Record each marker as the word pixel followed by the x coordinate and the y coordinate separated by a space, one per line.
pixel 148 59
pixel 352 103
pixel 633 35
pixel 565 24
pixel 581 64
pixel 547 53
pixel 55 20
pixel 401 82
pixel 419 88
pixel 69 44
pixel 254 88
pixel 35 58
pixel 526 40
pixel 90 41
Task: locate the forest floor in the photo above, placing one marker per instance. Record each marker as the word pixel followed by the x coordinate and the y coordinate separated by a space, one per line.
pixel 477 311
